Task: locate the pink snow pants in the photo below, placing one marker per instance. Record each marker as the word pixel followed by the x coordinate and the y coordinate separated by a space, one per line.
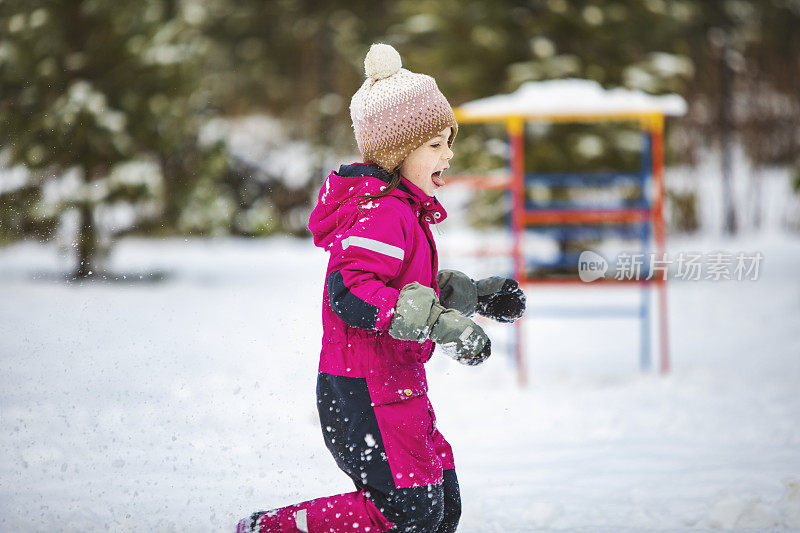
pixel 384 455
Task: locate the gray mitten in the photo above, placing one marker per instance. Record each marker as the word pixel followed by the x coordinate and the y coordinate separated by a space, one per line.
pixel 457 291
pixel 419 316
pixel 460 337
pixel 413 316
pixel 497 298
pixel 500 299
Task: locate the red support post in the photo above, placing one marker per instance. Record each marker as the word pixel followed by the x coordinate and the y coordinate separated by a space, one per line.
pixel 516 130
pixel 659 224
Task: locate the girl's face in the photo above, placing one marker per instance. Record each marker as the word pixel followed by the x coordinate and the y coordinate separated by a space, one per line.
pixel 424 166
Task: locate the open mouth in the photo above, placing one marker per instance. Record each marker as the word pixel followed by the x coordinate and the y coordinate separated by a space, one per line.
pixel 437 178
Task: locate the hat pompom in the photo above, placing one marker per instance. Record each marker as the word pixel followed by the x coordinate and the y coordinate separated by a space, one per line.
pixel 382 61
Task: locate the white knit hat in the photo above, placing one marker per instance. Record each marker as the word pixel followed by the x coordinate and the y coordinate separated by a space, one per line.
pixel 395 110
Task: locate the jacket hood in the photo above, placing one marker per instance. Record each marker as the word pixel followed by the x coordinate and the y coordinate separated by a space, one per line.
pixel 338 201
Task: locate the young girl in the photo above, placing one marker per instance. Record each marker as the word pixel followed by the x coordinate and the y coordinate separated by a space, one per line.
pixel 384 306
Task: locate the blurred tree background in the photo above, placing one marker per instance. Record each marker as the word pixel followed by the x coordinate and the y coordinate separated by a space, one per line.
pixel 167 117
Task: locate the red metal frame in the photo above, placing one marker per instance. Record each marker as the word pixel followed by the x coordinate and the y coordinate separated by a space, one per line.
pixel 482 181
pixel 515 182
pixel 516 131
pixel 585 216
pixel 659 226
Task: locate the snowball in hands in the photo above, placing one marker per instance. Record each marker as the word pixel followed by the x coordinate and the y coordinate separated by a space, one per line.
pixel 418 316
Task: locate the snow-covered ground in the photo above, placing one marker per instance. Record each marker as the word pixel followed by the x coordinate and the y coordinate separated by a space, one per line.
pixel 187 403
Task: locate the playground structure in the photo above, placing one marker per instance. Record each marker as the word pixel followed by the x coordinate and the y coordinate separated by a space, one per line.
pixel 582 101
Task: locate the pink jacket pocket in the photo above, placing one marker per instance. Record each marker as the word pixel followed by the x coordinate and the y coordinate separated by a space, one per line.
pixel 398 383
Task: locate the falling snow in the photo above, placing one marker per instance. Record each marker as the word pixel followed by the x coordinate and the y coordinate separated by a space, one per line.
pixel 120 408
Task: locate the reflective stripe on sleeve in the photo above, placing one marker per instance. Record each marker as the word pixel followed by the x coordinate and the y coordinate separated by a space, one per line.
pixel 301 520
pixel 375 246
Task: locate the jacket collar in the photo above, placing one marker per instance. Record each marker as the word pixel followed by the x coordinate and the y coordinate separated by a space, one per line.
pixel 427 207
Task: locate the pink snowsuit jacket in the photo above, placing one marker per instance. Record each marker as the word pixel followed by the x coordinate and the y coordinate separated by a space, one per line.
pixel 376 248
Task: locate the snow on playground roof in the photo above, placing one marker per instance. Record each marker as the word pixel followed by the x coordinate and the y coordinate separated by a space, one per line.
pixel 571 97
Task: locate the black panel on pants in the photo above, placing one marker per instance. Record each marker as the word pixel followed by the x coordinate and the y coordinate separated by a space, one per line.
pixel 434 508
pixel 452 503
pixel 351 432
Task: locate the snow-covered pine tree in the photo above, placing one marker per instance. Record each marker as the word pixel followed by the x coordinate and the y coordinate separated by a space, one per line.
pixel 88 88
